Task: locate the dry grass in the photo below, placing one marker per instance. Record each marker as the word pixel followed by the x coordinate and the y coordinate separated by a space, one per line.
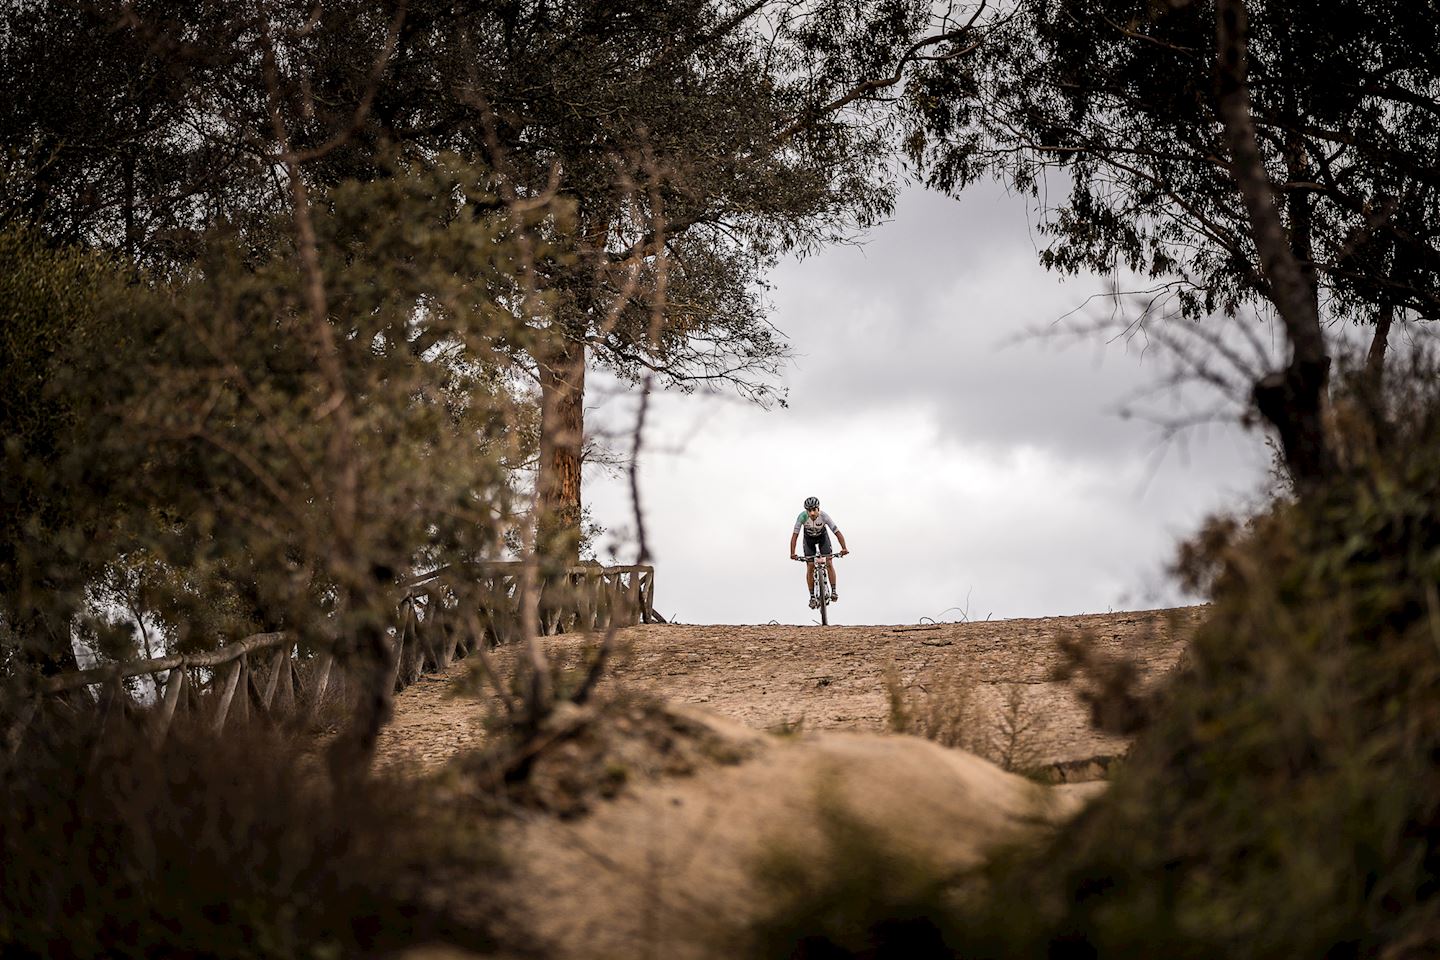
pixel 955 709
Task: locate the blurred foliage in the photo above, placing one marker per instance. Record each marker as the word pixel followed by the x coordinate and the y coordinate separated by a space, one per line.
pixel 177 449
pixel 853 895
pixel 498 192
pixel 228 847
pixel 57 501
pixel 1285 798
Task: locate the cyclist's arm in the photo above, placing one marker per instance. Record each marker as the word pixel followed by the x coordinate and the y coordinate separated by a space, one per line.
pixel 830 522
pixel 793 537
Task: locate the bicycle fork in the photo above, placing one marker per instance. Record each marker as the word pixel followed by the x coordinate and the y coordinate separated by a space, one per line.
pixel 819 581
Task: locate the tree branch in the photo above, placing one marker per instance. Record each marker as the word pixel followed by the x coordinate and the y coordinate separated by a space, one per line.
pixel 870 86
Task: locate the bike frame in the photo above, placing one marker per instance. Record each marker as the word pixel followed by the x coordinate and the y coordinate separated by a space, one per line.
pixel 820 581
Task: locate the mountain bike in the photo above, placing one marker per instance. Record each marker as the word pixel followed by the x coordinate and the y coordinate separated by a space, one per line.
pixel 820 582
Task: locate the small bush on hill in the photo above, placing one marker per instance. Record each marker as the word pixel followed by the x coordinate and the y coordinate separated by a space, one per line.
pixel 582 754
pixel 950 707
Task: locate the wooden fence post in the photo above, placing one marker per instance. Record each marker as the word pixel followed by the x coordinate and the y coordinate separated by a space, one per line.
pixel 632 616
pixel 16 732
pixel 231 682
pixel 287 685
pixel 111 692
pixel 414 659
pixel 400 636
pixel 175 684
pixel 319 684
pixel 450 641
pixel 586 601
pixel 277 663
pixel 602 601
pixel 246 691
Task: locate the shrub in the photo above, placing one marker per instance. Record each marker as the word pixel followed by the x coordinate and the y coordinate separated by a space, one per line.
pixel 950 707
pixel 1285 798
pixel 233 847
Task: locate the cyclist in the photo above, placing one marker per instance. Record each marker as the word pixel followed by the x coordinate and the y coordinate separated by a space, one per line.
pixel 814 521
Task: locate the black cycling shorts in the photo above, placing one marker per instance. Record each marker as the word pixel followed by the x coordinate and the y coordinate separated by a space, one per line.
pixel 820 544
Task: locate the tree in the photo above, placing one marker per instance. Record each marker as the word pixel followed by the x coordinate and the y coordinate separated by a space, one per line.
pixel 1120 99
pixel 317 383
pixel 213 416
pixel 47 511
pixel 696 140
pixel 147 145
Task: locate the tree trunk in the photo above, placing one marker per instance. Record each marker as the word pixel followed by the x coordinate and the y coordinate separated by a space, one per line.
pixel 562 433
pixel 1375 359
pixel 1292 399
pixel 372 666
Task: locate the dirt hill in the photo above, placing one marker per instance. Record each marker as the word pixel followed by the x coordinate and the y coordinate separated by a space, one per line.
pixel 816 678
pixel 673 860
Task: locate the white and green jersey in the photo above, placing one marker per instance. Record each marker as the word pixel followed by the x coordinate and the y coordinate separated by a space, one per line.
pixel 813 528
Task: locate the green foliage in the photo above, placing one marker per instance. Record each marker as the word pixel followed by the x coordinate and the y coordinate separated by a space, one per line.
pixel 498 191
pixel 662 125
pixel 416 270
pixel 229 847
pixel 61 468
pixel 1113 102
pixel 142 149
pixel 194 465
pixel 1285 800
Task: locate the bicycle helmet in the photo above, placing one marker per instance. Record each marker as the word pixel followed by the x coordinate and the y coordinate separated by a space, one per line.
pixel 811 503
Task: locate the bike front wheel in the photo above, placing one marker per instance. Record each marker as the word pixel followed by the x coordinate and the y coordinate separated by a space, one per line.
pixel 824 591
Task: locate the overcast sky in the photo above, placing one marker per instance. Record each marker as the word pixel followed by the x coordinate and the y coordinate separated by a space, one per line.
pixel 975 471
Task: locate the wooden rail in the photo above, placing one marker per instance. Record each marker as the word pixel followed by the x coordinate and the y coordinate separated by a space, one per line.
pixel 583 597
pixel 271 674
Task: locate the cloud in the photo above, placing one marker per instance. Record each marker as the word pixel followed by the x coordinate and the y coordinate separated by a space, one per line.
pixel 934 526
pixel 952 311
pixel 971 473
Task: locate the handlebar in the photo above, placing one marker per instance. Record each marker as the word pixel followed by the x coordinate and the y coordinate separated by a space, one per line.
pixel 819 556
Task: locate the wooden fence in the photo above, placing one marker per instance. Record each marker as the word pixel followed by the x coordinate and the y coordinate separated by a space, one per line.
pixel 272 674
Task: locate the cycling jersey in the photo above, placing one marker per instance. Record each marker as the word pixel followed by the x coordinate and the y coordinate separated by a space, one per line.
pixel 814 528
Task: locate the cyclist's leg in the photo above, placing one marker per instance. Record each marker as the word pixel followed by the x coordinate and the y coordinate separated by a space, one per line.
pixel 829 563
pixel 811 548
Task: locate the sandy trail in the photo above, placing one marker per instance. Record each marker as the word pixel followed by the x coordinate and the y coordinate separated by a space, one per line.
pixel 770 677
pixel 673 865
